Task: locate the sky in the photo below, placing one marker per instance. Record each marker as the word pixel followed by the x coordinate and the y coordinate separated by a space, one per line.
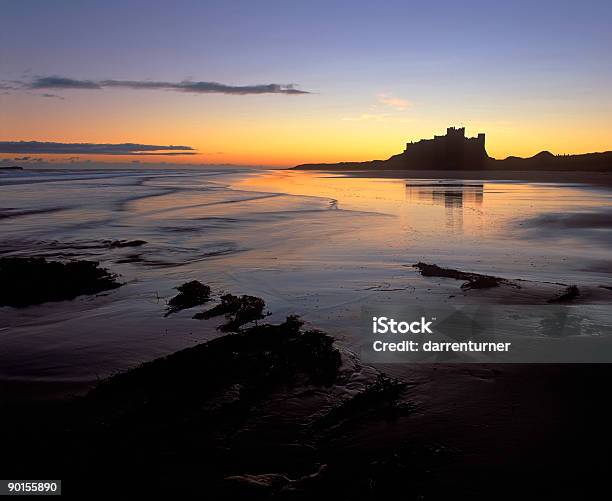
pixel 282 83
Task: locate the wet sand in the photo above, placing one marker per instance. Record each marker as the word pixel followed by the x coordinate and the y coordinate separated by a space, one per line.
pixel 594 178
pixel 320 245
pixel 323 245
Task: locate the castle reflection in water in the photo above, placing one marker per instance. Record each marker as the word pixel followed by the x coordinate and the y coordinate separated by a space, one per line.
pixel 454 196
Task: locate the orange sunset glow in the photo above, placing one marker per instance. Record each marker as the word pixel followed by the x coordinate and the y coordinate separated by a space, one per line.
pixel 266 131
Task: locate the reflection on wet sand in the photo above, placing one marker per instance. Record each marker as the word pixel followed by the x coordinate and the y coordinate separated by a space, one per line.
pixel 454 197
pixel 315 243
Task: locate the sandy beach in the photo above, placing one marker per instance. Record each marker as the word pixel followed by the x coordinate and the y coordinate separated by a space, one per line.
pixel 320 245
pixel 572 177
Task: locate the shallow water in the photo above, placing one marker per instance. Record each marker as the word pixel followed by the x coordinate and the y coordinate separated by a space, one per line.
pixel 321 245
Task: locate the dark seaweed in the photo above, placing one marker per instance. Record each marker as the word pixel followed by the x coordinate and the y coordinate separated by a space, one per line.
pixel 381 397
pixel 473 280
pixel 119 244
pixel 239 310
pixel 190 294
pixel 570 293
pixel 34 280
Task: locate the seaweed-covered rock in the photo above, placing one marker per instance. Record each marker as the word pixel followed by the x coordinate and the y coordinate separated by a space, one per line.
pixel 119 244
pixel 381 397
pixel 34 280
pixel 190 294
pixel 569 294
pixel 238 416
pixel 239 310
pixel 256 486
pixel 472 280
pixel 257 357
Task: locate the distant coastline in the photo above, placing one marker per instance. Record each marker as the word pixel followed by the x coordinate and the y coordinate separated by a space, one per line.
pixel 454 152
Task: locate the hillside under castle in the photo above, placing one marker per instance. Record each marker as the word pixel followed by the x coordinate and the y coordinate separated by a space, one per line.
pixel 456 152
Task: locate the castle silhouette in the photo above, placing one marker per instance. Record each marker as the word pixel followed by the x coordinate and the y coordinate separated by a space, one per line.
pixel 454 151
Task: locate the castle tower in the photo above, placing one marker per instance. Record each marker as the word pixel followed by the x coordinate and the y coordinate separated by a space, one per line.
pixel 455 132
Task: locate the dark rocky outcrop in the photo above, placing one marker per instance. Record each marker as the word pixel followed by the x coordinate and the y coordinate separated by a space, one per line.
pixel 119 244
pixel 257 358
pixel 190 294
pixel 263 413
pixel 34 280
pixel 472 280
pixel 239 310
pixel 569 294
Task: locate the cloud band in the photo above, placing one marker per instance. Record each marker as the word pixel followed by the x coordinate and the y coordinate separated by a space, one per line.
pixel 64 83
pixel 37 147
